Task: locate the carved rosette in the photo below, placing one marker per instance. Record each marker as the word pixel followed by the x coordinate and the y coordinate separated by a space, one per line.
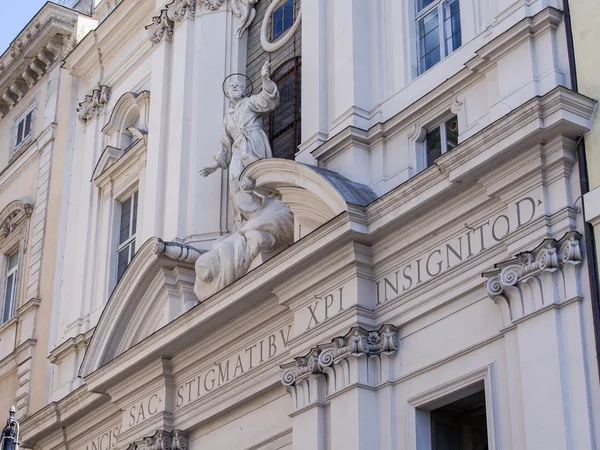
pixel 538 278
pixel 161 27
pixel 162 440
pixel 94 104
pixel 358 342
pixel 177 10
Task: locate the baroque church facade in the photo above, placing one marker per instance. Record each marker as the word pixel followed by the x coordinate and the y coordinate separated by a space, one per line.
pixel 316 224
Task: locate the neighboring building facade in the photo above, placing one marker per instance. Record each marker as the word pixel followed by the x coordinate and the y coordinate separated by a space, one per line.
pixel 436 293
pixel 584 15
pixel 34 99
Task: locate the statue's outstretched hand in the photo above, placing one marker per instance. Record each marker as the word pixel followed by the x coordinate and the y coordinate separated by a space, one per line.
pixel 265 72
pixel 209 169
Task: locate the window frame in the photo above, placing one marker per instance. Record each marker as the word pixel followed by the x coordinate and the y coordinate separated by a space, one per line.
pixel 440 123
pixel 128 243
pixel 420 15
pixel 272 20
pixel 8 272
pixel 22 118
pixel 420 404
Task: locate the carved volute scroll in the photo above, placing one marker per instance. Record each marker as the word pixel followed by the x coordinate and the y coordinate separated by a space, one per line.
pixel 94 104
pixel 162 440
pixel 546 276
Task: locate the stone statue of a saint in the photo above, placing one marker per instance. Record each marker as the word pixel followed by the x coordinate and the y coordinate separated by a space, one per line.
pixel 244 140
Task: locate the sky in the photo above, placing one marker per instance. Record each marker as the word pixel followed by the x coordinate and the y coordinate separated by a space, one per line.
pixel 14 15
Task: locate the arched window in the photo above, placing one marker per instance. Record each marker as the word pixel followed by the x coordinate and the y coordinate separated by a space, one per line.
pixel 282 19
pixel 284 122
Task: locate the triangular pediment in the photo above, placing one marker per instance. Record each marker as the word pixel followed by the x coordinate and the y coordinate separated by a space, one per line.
pixel 109 156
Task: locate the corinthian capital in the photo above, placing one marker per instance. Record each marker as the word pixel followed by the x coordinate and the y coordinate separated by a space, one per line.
pixel 162 440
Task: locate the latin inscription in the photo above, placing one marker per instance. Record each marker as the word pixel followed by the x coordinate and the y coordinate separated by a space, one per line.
pixel 106 441
pixel 225 371
pixel 323 308
pixel 452 253
pixel 143 410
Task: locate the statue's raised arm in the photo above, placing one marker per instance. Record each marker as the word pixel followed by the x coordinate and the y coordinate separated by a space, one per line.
pixel 268 98
pixel 243 140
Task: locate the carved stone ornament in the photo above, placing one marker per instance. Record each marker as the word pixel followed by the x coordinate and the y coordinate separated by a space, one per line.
pixel 211 5
pixel 547 275
pixel 177 251
pixel 162 440
pixel 161 27
pixel 13 215
pixel 94 104
pixel 177 10
pixel 244 13
pixel 356 343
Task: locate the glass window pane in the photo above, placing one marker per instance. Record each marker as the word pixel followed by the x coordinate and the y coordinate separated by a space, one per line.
pixel 283 18
pixel 122 262
pixel 125 221
pixel 434 145
pixel 20 127
pixel 452 35
pixel 135 209
pixel 8 298
pixel 451 133
pixel 28 124
pixel 13 260
pixel 429 41
pixel 423 3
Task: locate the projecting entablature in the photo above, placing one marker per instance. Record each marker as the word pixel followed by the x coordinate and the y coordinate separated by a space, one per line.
pixel 51 34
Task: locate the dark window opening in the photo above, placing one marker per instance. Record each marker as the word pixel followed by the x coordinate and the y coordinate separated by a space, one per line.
pixel 441 139
pixel 285 120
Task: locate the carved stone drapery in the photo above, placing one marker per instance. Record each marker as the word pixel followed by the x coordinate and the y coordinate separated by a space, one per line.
pixel 94 104
pixel 355 358
pixel 13 215
pixel 162 440
pixel 532 280
pixel 161 27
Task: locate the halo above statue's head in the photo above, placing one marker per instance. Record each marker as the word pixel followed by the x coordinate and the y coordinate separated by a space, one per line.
pixel 239 75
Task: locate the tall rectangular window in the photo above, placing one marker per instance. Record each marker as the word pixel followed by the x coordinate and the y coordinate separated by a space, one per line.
pixel 23 127
pixel 10 286
pixel 438 26
pixel 127 232
pixel 285 120
pixel 282 19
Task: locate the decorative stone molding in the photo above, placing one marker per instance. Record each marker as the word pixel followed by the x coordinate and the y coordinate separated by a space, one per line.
pixel 94 104
pixel 177 10
pixel 211 5
pixel 271 46
pixel 34 52
pixel 355 358
pixel 161 27
pixel 357 342
pixel 13 216
pixel 162 440
pixel 533 280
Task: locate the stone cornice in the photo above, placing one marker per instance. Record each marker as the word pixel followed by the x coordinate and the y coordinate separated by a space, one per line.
pixel 42 43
